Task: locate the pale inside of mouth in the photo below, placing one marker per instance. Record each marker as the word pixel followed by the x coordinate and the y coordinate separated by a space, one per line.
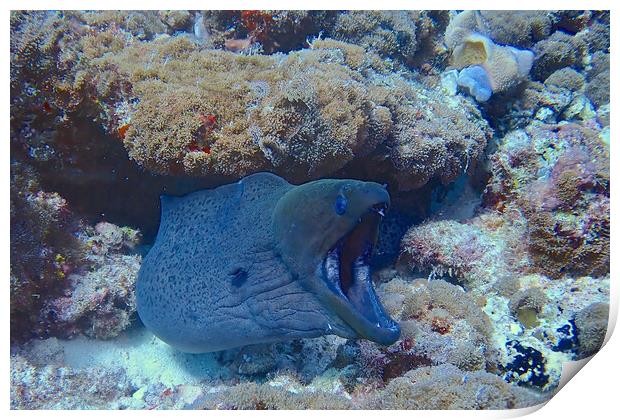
pixel 347 268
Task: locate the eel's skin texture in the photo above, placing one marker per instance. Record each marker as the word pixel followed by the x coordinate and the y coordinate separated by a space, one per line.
pixel 238 265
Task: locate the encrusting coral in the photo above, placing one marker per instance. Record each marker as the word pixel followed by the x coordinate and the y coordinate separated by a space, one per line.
pixel 58 387
pixel 565 198
pixel 561 190
pixel 101 301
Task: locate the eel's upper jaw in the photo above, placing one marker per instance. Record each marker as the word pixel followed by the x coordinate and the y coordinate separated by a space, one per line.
pixel 347 273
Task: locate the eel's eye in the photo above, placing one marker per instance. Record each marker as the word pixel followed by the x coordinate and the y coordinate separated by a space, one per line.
pixel 341 204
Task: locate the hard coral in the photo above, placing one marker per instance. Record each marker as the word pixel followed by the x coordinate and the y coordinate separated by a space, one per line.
pixel 477 253
pixel 592 324
pixel 446 387
pixel 442 323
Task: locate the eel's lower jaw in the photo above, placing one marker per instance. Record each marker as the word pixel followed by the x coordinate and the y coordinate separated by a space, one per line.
pixel 347 272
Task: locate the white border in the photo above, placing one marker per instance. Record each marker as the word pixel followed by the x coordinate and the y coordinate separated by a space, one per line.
pixel 591 395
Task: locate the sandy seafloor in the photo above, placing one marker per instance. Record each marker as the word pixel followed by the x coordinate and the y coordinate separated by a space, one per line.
pixel 489 129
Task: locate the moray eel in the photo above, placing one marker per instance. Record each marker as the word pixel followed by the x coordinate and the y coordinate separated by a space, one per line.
pixel 261 261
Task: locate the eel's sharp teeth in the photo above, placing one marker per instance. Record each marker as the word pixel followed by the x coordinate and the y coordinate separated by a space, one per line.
pixel 332 266
pixel 381 212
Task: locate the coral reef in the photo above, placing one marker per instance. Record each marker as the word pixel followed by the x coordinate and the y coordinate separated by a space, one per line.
pixel 58 387
pixel 43 249
pixel 477 253
pixel 489 68
pixel 66 277
pixel 526 305
pixel 101 301
pixel 558 51
pixel 431 138
pixel 565 197
pixel 310 127
pixel 519 28
pixel 566 78
pixel 560 204
pixel 571 42
pixel 490 130
pixel 307 358
pixel 533 322
pixel 267 31
pixel 591 324
pixel 282 392
pixel 443 323
pixel 251 113
pixel 598 79
pixel 288 117
pixel 389 33
pixel 445 387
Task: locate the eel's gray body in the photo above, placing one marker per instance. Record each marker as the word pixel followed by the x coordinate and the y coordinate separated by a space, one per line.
pixel 260 261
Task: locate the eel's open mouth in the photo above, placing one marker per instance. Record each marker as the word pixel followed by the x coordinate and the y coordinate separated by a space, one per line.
pixel 346 269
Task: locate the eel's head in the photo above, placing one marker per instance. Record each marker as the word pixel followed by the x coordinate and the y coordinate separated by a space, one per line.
pixel 326 231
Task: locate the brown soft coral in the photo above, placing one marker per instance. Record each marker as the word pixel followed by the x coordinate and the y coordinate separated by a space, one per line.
pixel 389 33
pixel 558 51
pixel 432 137
pixel 180 108
pixel 276 112
pixel 281 113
